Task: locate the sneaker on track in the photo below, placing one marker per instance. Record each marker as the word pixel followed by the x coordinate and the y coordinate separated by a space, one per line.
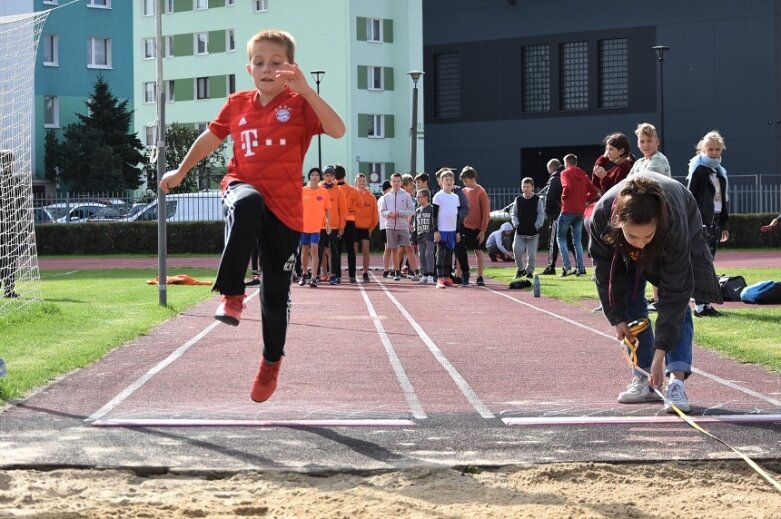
pixel 676 396
pixel 637 392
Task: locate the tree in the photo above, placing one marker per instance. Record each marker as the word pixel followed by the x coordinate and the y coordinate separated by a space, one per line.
pixel 101 153
pixel 206 173
pixel 52 156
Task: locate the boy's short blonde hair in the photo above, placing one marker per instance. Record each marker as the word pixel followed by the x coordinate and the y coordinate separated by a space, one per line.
pixel 283 38
pixel 407 180
pixel 646 129
pixel 442 171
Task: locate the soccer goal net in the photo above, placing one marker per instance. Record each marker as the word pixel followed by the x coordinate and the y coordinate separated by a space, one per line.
pixel 19 272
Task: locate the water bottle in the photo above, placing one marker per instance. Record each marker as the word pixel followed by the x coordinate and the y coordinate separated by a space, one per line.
pixel 536 285
pixel 3 371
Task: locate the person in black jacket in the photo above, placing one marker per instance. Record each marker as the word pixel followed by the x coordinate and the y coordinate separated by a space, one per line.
pixel 552 212
pixel 647 227
pixel 708 183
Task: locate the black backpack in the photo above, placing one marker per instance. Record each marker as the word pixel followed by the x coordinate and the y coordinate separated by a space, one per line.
pixel 731 286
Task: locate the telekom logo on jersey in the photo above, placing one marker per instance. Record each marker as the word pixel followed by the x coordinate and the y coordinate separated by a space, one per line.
pixel 250 141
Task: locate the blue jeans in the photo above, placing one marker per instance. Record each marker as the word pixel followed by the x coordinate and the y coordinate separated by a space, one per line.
pixel 567 220
pixel 677 359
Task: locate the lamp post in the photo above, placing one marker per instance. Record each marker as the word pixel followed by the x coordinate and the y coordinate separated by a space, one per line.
pixel 317 74
pixel 413 155
pixel 661 52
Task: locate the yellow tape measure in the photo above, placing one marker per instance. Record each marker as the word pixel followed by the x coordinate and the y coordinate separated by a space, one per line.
pixel 636 328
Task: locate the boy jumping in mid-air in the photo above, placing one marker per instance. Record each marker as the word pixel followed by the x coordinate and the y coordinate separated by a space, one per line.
pixel 271 128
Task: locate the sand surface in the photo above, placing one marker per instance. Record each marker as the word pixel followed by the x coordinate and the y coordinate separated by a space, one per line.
pixel 725 489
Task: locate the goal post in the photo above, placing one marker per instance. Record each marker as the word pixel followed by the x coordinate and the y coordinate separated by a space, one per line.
pixel 19 273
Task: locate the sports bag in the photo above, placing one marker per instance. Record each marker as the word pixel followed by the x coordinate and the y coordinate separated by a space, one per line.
pixel 762 293
pixel 731 286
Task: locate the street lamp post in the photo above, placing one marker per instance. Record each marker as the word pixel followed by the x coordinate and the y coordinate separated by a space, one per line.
pixel 661 52
pixel 413 155
pixel 317 74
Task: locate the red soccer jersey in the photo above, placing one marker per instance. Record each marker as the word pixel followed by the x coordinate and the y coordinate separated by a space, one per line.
pixel 269 144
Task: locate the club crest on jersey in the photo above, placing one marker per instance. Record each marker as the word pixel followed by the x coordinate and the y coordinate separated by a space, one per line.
pixel 283 114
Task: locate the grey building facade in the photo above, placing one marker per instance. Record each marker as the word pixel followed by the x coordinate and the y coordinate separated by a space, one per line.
pixel 512 83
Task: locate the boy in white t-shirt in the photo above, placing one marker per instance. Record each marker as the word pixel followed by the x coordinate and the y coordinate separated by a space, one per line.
pixel 445 219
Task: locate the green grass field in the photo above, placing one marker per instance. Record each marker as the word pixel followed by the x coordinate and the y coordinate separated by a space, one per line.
pixel 747 333
pixel 84 315
pixel 87 313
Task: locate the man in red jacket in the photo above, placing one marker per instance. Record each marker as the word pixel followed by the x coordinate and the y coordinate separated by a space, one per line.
pixel 576 190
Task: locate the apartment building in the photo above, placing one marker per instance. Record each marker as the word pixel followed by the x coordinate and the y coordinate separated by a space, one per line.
pixel 363 48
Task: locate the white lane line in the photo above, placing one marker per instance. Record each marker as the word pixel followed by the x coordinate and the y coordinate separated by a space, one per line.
pixel 398 369
pixel 198 422
pixel 146 377
pixel 732 385
pixel 462 384
pixel 604 420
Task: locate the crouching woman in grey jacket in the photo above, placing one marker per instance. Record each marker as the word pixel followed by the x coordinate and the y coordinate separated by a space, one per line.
pixel 648 227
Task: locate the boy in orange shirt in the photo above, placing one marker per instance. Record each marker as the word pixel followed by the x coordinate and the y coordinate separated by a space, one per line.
pixel 317 205
pixel 366 219
pixel 347 241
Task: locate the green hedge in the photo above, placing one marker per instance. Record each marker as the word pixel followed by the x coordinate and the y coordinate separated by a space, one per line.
pixel 207 237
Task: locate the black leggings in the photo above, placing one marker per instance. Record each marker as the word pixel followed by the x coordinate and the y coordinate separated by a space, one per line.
pixel 249 224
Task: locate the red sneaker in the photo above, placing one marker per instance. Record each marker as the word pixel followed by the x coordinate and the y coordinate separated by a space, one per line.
pixel 449 282
pixel 265 381
pixel 229 311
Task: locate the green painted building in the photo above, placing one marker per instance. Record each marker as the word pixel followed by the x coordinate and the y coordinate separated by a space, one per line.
pixel 365 47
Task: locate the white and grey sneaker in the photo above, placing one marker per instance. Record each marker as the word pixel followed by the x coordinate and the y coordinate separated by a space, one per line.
pixel 676 396
pixel 637 392
pixel 423 280
pixel 430 280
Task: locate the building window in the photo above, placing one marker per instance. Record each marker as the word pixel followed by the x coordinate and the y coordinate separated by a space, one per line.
pixel 149 48
pixel 51 2
pixel 150 135
pixel 573 59
pixel 202 88
pixel 261 6
pixel 230 40
pixel 536 78
pixel 103 4
pixel 377 170
pixel 447 85
pixel 375 78
pixel 201 43
pixel 376 126
pixel 199 5
pixel 231 83
pixel 230 3
pixel 169 47
pixel 170 96
pixel 50 50
pixel 150 92
pixel 98 52
pixel 170 6
pixel 374 29
pixel 614 73
pixel 149 7
pixel 51 112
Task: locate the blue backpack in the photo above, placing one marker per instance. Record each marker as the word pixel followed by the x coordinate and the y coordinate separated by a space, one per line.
pixel 762 293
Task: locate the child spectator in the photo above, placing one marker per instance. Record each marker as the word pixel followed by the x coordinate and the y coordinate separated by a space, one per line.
pixel 261 191
pixel 337 221
pixel 317 205
pixel 445 219
pixel 387 253
pixel 495 243
pixel 476 222
pixel 576 190
pixel 366 218
pixel 397 207
pixel 527 216
pixel 424 233
pixel 347 240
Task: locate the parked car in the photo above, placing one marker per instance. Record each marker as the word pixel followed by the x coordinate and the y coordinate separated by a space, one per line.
pixel 42 215
pixel 64 212
pixel 504 212
pixel 185 207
